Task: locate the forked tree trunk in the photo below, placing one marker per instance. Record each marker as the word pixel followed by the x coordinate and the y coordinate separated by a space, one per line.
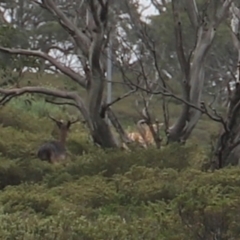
pixel 192 86
pixel 193 66
pixel 99 126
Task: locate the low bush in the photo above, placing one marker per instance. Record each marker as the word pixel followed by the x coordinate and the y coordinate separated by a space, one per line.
pixel 104 194
pixel 144 203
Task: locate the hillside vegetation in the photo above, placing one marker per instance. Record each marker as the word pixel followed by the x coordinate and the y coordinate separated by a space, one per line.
pixel 145 194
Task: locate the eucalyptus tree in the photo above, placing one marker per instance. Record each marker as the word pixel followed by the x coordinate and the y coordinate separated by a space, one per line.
pixel 203 18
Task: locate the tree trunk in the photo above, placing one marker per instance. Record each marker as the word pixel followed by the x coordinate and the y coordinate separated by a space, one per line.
pixel 192 85
pixel 99 128
pixel 227 147
pixel 192 66
pixel 102 134
pixel 227 150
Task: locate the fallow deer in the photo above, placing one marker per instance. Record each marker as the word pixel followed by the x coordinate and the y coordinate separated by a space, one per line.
pixel 55 151
pixel 144 136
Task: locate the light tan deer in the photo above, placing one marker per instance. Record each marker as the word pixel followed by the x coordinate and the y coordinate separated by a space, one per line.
pixel 55 151
pixel 144 136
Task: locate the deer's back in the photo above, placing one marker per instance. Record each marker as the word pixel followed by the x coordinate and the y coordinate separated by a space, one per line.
pixel 136 137
pixel 51 151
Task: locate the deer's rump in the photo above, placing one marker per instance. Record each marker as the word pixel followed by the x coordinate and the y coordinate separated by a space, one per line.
pixel 50 151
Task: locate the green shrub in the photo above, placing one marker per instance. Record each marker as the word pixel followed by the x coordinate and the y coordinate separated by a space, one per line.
pixel 118 162
pixel 22 121
pixel 32 198
pixel 109 194
pixel 88 191
pixel 16 144
pixel 34 106
pixel 143 184
pixel 14 172
pixel 208 204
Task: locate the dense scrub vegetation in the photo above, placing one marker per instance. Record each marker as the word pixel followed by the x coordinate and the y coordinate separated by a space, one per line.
pixel 144 194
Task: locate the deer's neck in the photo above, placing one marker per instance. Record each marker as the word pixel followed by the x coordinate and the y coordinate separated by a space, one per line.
pixel 62 138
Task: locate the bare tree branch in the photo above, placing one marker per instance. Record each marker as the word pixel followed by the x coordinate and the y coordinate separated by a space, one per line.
pixel 80 38
pixel 13 92
pixel 202 109
pixel 62 103
pixel 121 97
pixel 222 12
pixel 9 94
pixel 192 12
pixel 179 41
pixel 65 70
pixel 160 5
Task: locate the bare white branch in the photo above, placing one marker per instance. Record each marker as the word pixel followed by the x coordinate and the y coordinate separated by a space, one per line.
pixel 66 70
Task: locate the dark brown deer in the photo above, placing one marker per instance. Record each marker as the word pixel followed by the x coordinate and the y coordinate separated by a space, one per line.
pixel 55 151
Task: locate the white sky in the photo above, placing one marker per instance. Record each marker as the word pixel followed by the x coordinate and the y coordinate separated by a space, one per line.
pixel 151 10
